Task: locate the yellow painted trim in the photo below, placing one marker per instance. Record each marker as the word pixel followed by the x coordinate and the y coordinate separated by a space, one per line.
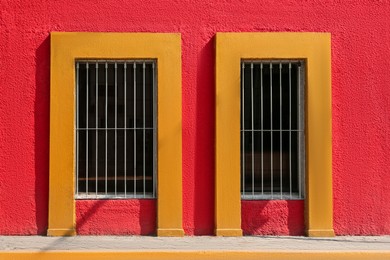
pixel 239 255
pixel 315 49
pixel 65 48
pixel 228 232
pixel 321 233
pixel 170 232
pixel 61 232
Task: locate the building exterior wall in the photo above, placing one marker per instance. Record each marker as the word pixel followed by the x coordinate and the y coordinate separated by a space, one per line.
pixel 360 109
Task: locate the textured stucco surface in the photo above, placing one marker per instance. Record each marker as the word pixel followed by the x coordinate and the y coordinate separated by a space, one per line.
pixel 360 90
pixel 279 217
pixel 120 217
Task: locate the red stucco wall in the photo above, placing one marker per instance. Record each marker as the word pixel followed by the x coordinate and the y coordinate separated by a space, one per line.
pixel 361 108
pixel 120 217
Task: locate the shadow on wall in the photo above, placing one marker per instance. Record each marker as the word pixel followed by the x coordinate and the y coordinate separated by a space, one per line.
pixel 204 142
pixel 41 129
pixel 277 217
pixel 116 217
pixel 63 239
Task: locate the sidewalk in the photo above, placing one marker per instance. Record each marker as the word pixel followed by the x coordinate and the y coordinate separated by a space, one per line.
pixel 204 247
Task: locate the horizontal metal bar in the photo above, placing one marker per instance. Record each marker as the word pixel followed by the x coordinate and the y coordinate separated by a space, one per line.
pixel 119 61
pixel 110 178
pixel 266 62
pixel 83 196
pixel 264 130
pixel 269 196
pixel 113 128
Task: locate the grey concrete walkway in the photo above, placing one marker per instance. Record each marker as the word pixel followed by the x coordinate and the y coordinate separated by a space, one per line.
pixel 204 243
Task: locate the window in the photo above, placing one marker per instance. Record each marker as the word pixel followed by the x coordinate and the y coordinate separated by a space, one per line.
pixel 272 129
pixel 233 50
pixel 115 129
pixel 97 49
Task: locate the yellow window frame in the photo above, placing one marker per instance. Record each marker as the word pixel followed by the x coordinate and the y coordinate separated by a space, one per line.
pixel 66 47
pixel 315 49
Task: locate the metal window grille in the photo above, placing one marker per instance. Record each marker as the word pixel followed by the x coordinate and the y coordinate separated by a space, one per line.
pixel 116 129
pixel 272 129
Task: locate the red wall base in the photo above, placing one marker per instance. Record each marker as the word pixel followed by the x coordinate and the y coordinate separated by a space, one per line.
pixel 138 217
pixel 116 217
pixel 278 217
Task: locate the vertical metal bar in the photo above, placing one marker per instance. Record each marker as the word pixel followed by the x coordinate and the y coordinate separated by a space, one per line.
pixel 299 134
pixel 116 124
pixel 280 126
pixel 262 128
pixel 253 136
pixel 143 130
pixel 125 119
pixel 302 158
pixel 96 126
pixel 106 125
pixel 154 129
pixel 135 128
pixel 87 125
pixel 243 127
pixel 289 145
pixel 272 172
pixel 77 128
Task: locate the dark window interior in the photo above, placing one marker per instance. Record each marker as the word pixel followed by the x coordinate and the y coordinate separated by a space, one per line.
pixel 272 134
pixel 115 128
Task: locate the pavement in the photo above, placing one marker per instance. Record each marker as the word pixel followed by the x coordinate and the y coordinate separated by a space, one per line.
pixel 203 243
